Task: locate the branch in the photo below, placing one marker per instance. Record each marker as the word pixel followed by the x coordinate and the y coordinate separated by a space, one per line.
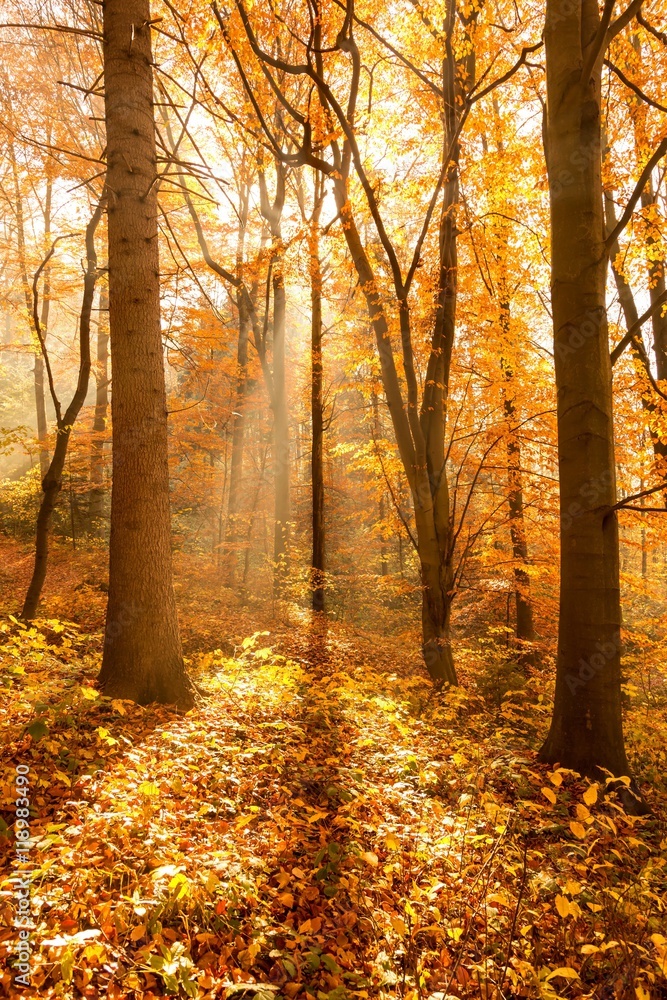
pixel 633 86
pixel 181 409
pixel 600 42
pixel 61 28
pixel 637 496
pixel 633 9
pixel 521 61
pixel 660 35
pixel 38 324
pixel 636 327
pixel 636 194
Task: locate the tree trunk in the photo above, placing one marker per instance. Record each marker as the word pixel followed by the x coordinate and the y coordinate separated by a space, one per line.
pixel 38 370
pixel 586 729
pixel 651 403
pixel 233 533
pixel 281 444
pixel 525 630
pixel 276 383
pixel 52 481
pixel 142 657
pixel 317 404
pixel 656 276
pixel 97 492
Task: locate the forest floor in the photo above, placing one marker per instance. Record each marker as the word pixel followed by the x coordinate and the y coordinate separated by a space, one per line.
pixel 321 826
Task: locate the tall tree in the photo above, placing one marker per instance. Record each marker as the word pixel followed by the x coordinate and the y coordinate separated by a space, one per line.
pixel 142 650
pixel 52 480
pixel 586 730
pixel 316 386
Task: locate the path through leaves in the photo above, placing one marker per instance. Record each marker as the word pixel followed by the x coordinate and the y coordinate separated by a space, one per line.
pixel 321 826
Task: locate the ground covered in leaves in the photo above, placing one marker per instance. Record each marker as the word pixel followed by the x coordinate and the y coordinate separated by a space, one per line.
pixel 321 827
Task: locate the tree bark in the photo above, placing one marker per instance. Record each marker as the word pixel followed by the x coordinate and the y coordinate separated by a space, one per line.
pixel 142 658
pixel 586 731
pixel 97 492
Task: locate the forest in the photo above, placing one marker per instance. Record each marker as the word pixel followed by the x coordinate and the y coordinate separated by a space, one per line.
pixel 333 474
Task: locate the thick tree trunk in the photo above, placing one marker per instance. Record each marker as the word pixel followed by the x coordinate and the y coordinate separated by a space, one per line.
pixel 97 492
pixel 52 481
pixel 317 406
pixel 438 591
pixel 586 729
pixel 142 651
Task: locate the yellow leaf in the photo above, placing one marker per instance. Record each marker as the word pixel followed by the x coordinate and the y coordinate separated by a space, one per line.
pixel 641 993
pixel 591 795
pixel 370 858
pixel 550 795
pixel 398 923
pixel 563 906
pixel 582 812
pixel 589 949
pixel 556 778
pixel 392 842
pixel 118 706
pixel 577 829
pixel 594 907
pixel 564 972
pixel 242 821
pixel 287 899
pixel 149 789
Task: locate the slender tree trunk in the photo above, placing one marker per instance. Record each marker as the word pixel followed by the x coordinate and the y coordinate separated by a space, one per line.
pixel 238 417
pixel 97 492
pixel 142 657
pixel 586 730
pixel 656 276
pixel 525 630
pixel 377 434
pixel 651 404
pixel 281 443
pixel 52 482
pixel 38 369
pixel 277 387
pixel 317 404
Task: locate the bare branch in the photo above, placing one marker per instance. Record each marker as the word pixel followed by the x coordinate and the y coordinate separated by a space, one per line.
pixel 636 194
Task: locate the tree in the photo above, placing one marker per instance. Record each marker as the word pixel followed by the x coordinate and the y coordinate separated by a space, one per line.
pixel 586 731
pixel 419 423
pixel 142 651
pixel 52 481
